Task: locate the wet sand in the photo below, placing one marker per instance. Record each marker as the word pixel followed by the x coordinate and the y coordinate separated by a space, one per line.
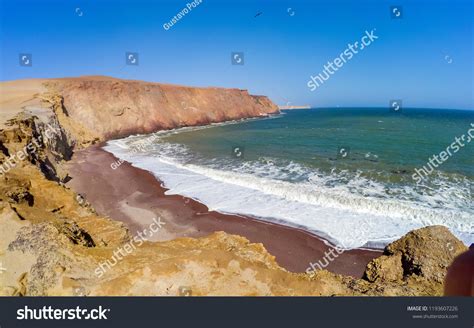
pixel 135 197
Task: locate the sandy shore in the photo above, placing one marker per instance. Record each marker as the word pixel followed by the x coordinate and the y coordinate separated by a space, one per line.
pixel 135 197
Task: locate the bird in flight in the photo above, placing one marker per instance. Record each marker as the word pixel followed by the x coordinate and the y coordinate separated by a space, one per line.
pixel 258 14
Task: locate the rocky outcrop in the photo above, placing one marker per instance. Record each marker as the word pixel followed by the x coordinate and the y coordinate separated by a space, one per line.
pixel 421 257
pixel 427 252
pixel 385 268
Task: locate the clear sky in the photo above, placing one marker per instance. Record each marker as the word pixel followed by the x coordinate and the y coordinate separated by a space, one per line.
pixel 425 58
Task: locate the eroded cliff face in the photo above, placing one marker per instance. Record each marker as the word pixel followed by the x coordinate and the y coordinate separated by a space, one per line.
pixel 109 108
pixel 52 242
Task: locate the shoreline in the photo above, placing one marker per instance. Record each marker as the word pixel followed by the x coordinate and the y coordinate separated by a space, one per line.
pixel 135 196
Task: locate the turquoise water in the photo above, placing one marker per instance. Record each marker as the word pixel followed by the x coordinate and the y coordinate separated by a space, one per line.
pixel 346 174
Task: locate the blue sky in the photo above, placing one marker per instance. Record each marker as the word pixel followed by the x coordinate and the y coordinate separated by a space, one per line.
pixel 425 58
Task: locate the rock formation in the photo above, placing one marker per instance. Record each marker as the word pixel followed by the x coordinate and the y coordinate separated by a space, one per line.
pixel 109 108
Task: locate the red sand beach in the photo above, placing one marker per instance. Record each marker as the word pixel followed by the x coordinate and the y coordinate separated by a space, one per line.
pixel 135 197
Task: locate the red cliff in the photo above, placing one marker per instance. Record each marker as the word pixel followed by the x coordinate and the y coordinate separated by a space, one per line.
pixel 110 108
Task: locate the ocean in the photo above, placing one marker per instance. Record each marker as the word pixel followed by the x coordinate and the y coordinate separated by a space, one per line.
pixel 345 174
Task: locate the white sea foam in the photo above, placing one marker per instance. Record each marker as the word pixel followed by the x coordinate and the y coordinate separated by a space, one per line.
pixel 351 210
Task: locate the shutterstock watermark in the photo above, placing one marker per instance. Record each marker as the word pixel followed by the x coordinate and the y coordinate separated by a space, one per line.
pixel 361 233
pixel 333 66
pixel 14 159
pixel 128 248
pixel 141 146
pixel 436 160
pixel 50 313
pixel 329 256
pixel 186 10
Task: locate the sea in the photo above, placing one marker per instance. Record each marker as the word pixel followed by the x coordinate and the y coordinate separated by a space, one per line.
pixel 348 175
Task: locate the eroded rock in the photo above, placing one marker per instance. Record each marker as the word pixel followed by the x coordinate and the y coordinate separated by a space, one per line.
pixel 385 268
pixel 417 262
pixel 427 252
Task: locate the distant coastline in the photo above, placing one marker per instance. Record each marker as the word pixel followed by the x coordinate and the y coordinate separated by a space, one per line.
pixel 294 107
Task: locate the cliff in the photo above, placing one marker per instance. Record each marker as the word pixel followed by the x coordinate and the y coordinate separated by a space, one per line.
pixel 52 242
pixel 109 108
